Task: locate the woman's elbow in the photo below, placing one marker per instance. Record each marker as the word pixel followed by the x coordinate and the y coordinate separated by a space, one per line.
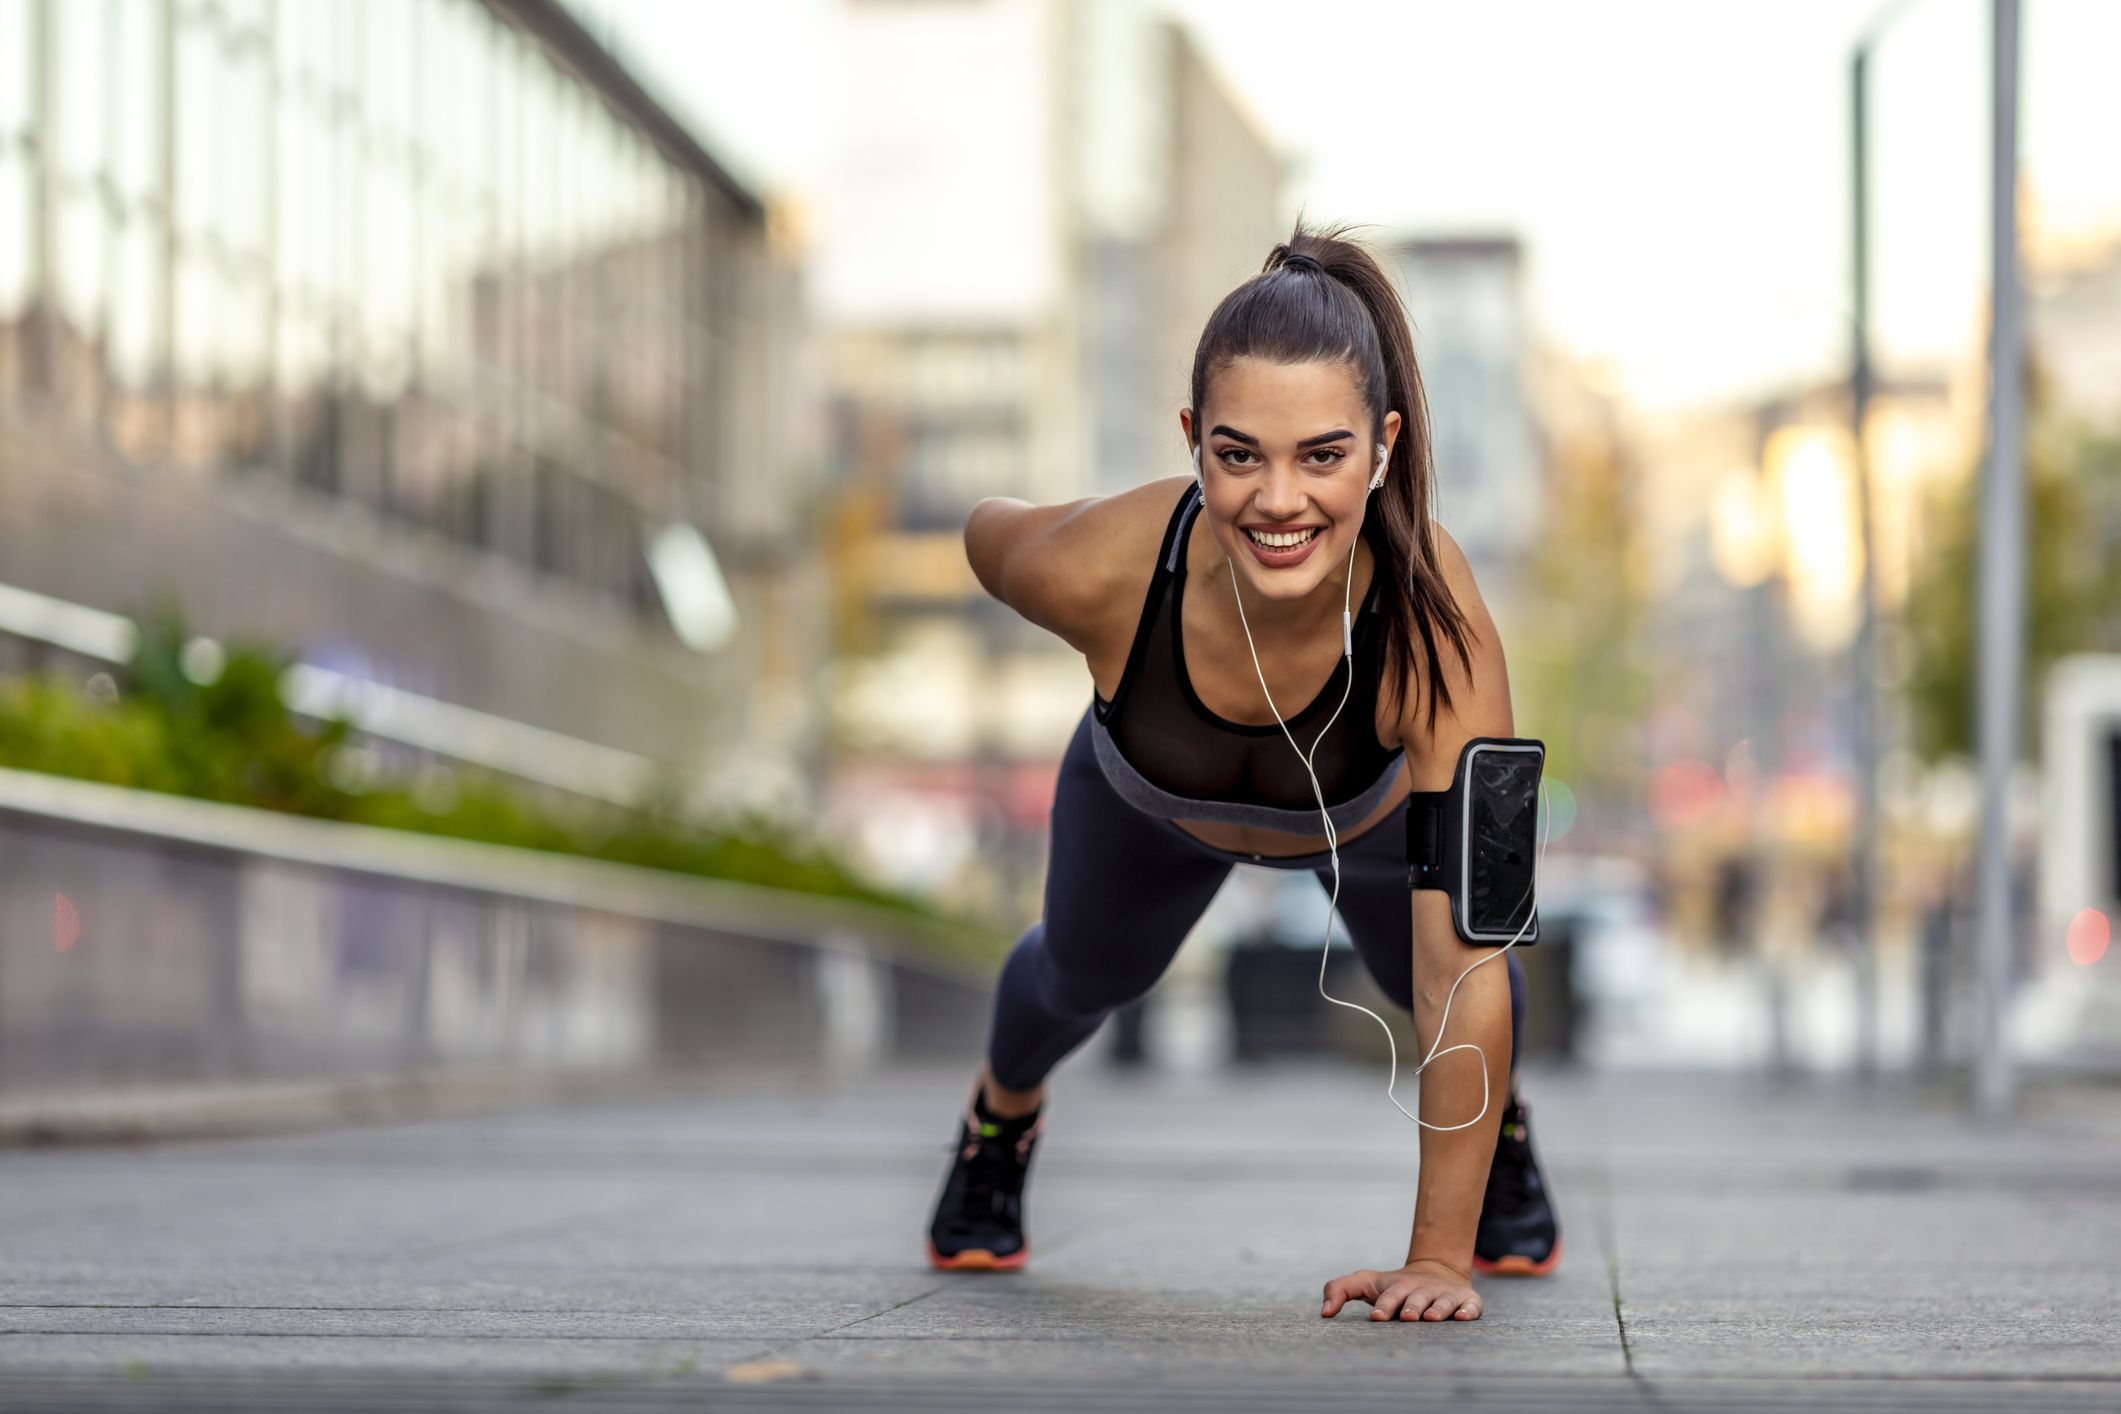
pixel 981 552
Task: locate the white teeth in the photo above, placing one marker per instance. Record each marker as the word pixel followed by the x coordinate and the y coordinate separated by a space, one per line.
pixel 1282 541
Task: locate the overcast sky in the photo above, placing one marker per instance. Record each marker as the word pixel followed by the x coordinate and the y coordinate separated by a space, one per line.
pixel 1677 168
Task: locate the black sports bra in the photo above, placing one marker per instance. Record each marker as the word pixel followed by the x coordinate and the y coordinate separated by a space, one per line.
pixel 1169 753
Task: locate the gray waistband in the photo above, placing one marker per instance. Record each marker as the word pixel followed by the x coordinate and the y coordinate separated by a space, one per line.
pixel 1144 795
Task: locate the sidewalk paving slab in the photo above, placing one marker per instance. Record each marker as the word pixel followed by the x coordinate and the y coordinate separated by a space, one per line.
pixel 1730 1244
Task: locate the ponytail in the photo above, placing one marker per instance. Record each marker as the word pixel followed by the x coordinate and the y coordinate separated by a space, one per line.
pixel 1334 304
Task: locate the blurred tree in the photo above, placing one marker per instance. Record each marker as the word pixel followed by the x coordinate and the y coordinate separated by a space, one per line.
pixel 187 719
pixel 1582 687
pixel 2073 575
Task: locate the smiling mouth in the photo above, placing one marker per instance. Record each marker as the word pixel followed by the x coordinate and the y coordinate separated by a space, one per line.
pixel 1282 540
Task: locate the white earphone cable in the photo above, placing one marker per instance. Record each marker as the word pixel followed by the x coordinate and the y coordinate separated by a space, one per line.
pixel 1333 847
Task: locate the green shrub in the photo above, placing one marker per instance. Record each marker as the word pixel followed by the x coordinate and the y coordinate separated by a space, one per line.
pixel 232 738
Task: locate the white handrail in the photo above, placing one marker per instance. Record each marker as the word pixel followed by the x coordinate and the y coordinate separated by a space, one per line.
pixel 391 713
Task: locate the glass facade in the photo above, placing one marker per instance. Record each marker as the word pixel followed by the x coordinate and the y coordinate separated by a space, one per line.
pixel 397 252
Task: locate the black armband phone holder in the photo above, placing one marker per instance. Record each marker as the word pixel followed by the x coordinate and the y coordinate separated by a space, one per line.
pixel 1479 840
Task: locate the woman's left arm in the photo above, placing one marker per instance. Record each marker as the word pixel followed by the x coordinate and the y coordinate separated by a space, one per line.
pixel 1435 1283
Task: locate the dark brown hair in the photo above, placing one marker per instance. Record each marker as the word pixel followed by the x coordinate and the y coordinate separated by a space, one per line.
pixel 1351 314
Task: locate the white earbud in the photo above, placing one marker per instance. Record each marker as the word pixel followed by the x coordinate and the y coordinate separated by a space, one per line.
pixel 1197 473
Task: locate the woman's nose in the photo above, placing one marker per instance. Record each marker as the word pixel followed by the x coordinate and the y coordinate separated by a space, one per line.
pixel 1281 495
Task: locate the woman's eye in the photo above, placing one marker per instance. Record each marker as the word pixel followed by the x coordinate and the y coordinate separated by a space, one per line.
pixel 1324 456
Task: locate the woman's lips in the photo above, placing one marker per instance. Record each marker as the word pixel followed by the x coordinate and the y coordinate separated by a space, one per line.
pixel 1283 559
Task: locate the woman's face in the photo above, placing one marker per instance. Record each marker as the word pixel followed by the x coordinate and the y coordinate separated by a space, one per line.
pixel 1286 451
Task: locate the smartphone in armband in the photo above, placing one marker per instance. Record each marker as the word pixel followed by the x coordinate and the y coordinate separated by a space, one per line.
pixel 1479 841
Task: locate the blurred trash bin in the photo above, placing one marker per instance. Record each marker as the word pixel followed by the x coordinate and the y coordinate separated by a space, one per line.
pixel 1552 1008
pixel 1129 1025
pixel 1275 1008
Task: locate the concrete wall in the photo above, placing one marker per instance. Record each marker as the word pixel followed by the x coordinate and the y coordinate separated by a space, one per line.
pixel 156 946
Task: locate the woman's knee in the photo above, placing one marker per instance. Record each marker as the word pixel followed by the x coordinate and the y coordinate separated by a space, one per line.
pixel 1076 989
pixel 1086 994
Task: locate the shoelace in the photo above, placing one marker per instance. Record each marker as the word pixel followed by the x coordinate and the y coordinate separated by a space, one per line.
pixel 986 1177
pixel 992 1164
pixel 1510 1175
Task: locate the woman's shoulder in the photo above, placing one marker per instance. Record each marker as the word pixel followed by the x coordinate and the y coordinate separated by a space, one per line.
pixel 1456 568
pixel 1084 575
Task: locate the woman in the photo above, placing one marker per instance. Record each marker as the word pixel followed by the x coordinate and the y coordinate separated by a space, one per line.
pixel 1188 596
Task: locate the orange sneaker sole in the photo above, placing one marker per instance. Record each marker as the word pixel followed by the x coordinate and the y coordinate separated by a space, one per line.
pixel 1520 1266
pixel 978 1259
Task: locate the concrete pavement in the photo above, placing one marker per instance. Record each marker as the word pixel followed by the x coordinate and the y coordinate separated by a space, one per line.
pixel 1730 1244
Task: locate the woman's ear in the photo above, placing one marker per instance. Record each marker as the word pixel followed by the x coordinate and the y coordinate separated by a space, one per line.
pixel 1185 425
pixel 1392 425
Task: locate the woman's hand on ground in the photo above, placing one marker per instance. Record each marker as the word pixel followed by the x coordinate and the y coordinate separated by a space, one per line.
pixel 1418 1291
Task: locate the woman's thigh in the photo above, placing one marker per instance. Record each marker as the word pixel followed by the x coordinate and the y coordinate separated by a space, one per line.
pixel 1123 889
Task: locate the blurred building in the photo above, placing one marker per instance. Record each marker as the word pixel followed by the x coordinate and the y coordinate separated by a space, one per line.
pixel 1572 616
pixel 421 339
pixel 1465 297
pixel 1034 207
pixel 1752 563
pixel 2074 322
pixel 1755 554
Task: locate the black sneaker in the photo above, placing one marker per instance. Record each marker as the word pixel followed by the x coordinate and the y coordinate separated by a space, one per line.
pixel 979 1218
pixel 1518 1235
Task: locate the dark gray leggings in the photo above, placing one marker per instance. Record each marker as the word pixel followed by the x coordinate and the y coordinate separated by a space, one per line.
pixel 1123 888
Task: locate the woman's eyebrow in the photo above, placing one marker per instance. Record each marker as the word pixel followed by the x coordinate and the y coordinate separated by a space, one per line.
pixel 1322 438
pixel 1219 430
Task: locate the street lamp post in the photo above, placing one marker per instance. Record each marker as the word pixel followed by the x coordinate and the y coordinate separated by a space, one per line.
pixel 2001 604
pixel 2002 578
pixel 1863 864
